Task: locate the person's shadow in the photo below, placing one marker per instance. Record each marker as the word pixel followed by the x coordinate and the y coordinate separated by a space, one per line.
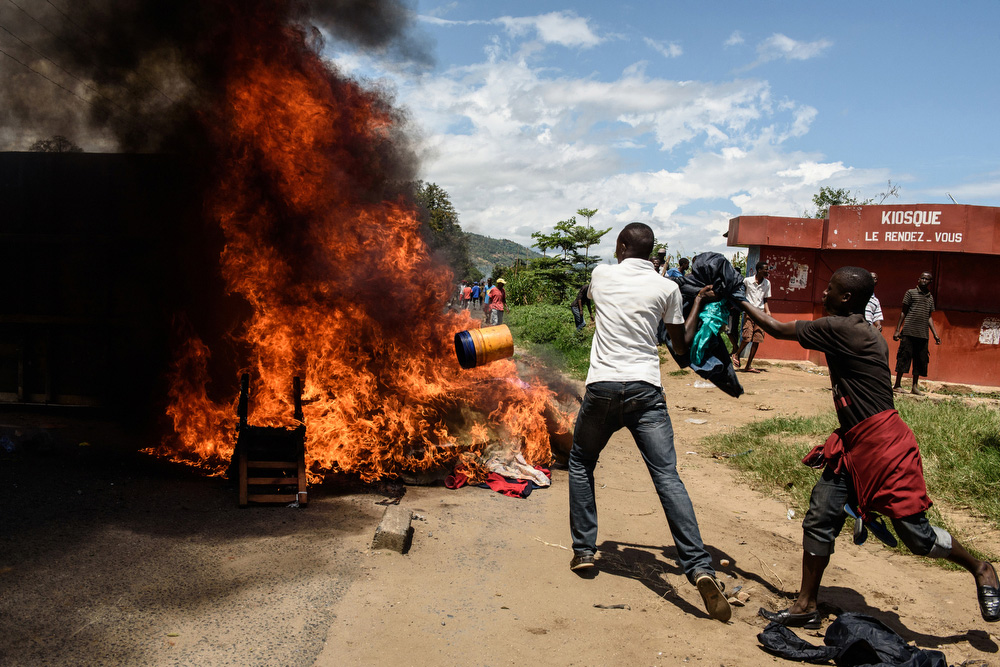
pixel 642 563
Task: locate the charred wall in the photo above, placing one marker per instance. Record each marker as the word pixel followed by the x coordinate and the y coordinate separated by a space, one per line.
pixel 99 253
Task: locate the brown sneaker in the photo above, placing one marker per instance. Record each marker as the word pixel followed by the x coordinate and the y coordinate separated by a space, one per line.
pixel 715 600
pixel 582 562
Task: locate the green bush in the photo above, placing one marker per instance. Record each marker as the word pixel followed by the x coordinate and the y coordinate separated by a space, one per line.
pixel 549 332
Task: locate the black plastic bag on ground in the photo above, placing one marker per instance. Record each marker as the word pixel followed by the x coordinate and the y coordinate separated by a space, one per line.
pixel 852 640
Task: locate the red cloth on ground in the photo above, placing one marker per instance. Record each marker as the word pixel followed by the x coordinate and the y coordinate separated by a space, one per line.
pixel 508 486
pixel 882 457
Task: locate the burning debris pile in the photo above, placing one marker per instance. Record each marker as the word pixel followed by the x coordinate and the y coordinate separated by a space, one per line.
pixel 307 174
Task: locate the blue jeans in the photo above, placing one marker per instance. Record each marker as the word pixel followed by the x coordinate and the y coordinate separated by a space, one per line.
pixel 641 408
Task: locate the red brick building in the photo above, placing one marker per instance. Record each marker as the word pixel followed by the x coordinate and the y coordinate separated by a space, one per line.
pixel 958 244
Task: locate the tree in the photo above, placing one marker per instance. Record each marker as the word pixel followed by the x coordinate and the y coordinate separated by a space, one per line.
pixel 57 144
pixel 827 197
pixel 443 233
pixel 587 213
pixel 551 279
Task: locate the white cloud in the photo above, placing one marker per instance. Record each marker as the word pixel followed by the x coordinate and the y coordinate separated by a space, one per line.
pixel 563 28
pixel 735 39
pixel 666 49
pixel 520 147
pixel 782 47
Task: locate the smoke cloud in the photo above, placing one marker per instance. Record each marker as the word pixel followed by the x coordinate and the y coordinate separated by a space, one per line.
pixel 141 75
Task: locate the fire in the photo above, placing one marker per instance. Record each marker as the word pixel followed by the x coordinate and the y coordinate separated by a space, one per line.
pixel 343 290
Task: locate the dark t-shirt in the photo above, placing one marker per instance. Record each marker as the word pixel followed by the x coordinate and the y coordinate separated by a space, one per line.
pixel 919 307
pixel 858 358
pixel 581 296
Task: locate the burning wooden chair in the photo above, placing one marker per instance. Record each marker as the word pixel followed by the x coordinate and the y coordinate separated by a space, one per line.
pixel 271 459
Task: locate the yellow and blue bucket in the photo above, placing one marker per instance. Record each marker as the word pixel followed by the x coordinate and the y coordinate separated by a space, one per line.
pixel 476 347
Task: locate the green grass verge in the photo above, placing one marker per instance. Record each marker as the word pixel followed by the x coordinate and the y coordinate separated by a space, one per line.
pixel 960 446
pixel 549 332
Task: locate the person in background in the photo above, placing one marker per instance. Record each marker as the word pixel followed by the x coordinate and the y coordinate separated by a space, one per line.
pixel 873 311
pixel 498 302
pixel 486 300
pixel 466 294
pixel 624 391
pixel 578 304
pixel 682 267
pixel 475 294
pixel 873 460
pixel 911 332
pixel 657 263
pixel 758 292
pixel 661 255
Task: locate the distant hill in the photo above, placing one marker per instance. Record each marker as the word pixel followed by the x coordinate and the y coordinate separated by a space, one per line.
pixel 485 252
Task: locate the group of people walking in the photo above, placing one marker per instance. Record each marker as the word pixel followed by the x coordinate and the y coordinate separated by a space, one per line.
pixel 493 298
pixel 871 464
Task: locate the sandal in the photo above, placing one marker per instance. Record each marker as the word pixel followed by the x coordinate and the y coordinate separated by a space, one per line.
pixel 989 601
pixel 736 360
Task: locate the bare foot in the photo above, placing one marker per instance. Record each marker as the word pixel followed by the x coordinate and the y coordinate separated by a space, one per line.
pixel 898 390
pixel 916 392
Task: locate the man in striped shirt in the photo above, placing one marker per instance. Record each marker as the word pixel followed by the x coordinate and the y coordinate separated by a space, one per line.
pixel 911 332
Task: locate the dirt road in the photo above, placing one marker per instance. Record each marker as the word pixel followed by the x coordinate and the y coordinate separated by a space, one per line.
pixel 135 563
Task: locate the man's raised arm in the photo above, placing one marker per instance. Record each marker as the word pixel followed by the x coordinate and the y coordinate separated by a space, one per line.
pixel 771 326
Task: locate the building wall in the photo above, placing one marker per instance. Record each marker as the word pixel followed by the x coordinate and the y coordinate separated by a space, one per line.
pixel 965 290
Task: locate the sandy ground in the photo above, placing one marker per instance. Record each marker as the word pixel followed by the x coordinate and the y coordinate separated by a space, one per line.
pixel 110 558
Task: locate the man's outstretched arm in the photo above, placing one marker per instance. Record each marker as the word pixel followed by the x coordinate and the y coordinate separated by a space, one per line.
pixel 771 326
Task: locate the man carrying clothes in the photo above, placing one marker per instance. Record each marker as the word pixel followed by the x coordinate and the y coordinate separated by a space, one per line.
pixel 914 322
pixel 579 302
pixel 758 292
pixel 872 461
pixel 623 390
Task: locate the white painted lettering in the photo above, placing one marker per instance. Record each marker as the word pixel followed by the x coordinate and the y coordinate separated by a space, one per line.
pixel 915 218
pixel 948 237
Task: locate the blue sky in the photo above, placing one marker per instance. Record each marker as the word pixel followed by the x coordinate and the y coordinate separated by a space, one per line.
pixel 683 115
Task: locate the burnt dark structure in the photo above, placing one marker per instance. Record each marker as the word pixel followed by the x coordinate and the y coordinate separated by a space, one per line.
pixel 102 255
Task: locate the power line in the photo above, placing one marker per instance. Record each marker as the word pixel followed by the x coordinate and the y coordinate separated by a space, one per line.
pixel 64 70
pixel 29 67
pixel 89 36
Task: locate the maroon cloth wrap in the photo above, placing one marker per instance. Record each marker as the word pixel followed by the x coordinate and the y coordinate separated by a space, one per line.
pixel 882 457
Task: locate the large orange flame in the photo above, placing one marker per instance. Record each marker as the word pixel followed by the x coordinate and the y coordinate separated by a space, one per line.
pixel 343 289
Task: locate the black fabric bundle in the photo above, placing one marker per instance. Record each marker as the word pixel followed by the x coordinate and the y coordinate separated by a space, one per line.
pixel 852 640
pixel 711 268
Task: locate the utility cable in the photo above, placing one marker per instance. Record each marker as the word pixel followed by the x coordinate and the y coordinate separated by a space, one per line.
pixel 64 70
pixel 90 37
pixel 29 67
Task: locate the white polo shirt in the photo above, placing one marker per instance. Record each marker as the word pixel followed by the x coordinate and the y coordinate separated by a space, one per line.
pixel 631 300
pixel 757 292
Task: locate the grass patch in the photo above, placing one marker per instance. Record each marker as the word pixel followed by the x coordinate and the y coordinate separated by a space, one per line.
pixel 965 392
pixel 960 446
pixel 549 332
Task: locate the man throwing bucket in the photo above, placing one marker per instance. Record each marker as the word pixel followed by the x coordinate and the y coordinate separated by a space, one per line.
pixel 624 390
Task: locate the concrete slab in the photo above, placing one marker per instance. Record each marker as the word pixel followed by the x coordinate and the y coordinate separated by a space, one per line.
pixel 394 532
